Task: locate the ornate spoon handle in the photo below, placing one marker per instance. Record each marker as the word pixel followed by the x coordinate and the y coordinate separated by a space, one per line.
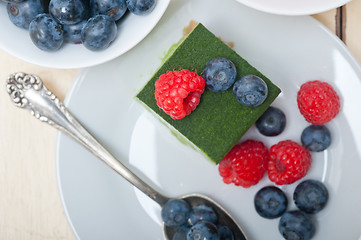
pixel 29 92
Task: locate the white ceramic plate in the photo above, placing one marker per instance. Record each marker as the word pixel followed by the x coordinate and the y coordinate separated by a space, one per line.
pixel 131 30
pixel 101 205
pixel 294 7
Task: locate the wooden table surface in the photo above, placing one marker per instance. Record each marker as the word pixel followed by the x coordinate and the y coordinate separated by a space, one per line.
pixel 30 206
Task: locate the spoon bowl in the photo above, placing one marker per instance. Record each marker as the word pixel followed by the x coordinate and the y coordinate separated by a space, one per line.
pixel 28 92
pixel 224 218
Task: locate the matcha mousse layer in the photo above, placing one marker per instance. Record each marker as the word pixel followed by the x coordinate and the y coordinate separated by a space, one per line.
pixel 219 121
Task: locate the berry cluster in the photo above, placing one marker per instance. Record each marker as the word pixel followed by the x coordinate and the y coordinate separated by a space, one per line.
pixel 220 74
pixel 53 22
pixel 178 96
pixel 310 197
pixel 178 93
pixel 246 163
pixel 287 161
pixel 318 103
pixel 199 222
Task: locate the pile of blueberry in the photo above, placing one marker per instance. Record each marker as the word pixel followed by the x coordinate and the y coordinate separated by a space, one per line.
pixel 90 22
pixel 250 90
pixel 199 222
pixel 310 197
pixel 316 138
pixel 220 74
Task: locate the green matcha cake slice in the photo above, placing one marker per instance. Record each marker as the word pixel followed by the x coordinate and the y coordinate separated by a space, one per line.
pixel 219 121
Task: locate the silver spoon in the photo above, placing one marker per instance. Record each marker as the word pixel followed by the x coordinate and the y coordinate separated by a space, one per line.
pixel 29 92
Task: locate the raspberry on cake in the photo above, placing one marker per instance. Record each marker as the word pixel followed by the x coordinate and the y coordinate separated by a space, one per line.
pixel 318 102
pixel 245 164
pixel 288 162
pixel 178 92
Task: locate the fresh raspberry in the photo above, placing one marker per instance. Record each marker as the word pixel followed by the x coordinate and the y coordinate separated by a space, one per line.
pixel 178 92
pixel 245 164
pixel 288 162
pixel 318 102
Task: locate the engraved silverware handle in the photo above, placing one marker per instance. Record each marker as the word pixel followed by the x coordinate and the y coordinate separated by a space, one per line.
pixel 29 92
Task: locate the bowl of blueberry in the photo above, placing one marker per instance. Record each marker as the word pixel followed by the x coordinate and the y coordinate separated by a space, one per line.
pixel 75 33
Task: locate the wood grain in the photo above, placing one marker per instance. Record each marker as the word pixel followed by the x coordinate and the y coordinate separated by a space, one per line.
pixel 353 28
pixel 328 19
pixel 30 207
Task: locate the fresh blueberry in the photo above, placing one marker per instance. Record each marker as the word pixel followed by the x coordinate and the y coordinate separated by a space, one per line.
pixel 219 74
pixel 175 212
pixel 270 202
pixel 310 196
pixel 203 230
pixel 224 233
pixel 181 233
pixel 272 122
pixel 46 33
pixel 316 138
pixel 296 225
pixel 250 90
pixel 72 33
pixel 113 8
pixel 68 11
pixel 203 213
pixel 140 7
pixel 98 32
pixel 22 13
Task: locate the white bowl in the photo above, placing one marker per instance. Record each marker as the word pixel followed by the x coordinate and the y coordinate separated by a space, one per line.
pixel 131 30
pixel 294 7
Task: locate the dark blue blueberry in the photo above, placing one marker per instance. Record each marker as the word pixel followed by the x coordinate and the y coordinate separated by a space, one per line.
pixel 175 212
pixel 72 33
pixel 68 11
pixel 22 13
pixel 203 230
pixel 272 122
pixel 203 213
pixel 219 74
pixel 181 233
pixel 296 225
pixel 316 138
pixel 113 8
pixel 98 32
pixel 46 33
pixel 270 202
pixel 250 91
pixel 224 233
pixel 140 7
pixel 310 196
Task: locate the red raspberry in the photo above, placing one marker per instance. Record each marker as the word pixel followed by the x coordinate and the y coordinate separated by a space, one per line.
pixel 318 102
pixel 288 162
pixel 245 164
pixel 178 92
